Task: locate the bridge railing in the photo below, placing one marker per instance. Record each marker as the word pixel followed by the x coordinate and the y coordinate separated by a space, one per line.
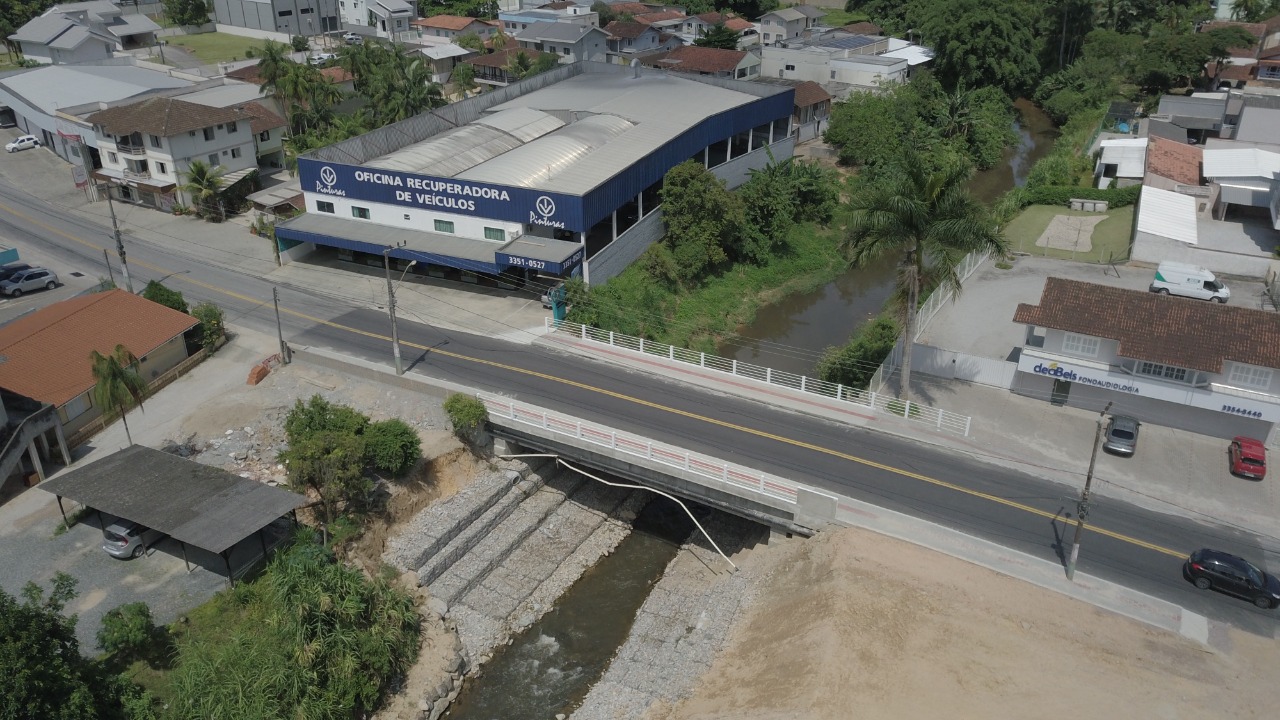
pixel 913 411
pixel 704 466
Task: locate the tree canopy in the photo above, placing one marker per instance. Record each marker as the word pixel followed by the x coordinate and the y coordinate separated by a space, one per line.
pixel 980 44
pixel 718 36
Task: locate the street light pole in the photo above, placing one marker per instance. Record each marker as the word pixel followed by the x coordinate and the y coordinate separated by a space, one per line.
pixel 391 305
pixel 1082 508
pixel 284 349
pixel 115 227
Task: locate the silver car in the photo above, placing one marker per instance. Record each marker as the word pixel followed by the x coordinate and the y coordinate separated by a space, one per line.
pixel 123 539
pixel 34 278
pixel 1121 437
pixel 23 142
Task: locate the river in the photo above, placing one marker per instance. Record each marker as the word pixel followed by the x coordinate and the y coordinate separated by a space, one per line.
pixel 792 334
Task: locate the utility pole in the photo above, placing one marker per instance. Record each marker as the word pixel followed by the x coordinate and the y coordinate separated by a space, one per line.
pixel 284 349
pixel 1082 508
pixel 115 227
pixel 106 257
pixel 391 305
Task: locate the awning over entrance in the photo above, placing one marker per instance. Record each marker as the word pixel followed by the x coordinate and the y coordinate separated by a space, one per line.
pixel 116 177
pixel 543 255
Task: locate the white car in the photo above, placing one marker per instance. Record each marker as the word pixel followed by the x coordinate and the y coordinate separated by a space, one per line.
pixel 24 142
pixel 352 39
pixel 322 58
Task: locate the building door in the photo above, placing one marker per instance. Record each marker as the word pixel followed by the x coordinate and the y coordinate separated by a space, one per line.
pixel 1061 389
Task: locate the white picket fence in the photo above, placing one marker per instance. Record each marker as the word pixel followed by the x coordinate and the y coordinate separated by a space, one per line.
pixel 915 412
pixel 704 466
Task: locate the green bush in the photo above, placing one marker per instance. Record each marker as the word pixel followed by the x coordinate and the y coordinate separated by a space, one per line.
pixel 392 446
pixel 855 363
pixel 157 293
pixel 466 413
pixel 1018 198
pixel 127 630
pixel 319 415
pixel 211 327
pixel 299 43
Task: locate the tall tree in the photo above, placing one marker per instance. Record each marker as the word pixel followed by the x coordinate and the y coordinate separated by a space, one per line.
pixel 703 219
pixel 470 41
pixel 187 12
pixel 117 384
pixel 979 43
pixel 464 78
pixel 932 220
pixel 203 183
pixel 718 36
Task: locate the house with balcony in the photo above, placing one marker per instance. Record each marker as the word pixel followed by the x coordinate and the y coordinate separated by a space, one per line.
pixel 695 26
pixel 786 23
pixel 83 32
pixel 715 62
pixel 626 39
pixel 1204 367
pixel 392 18
pixel 491 69
pixel 147 147
pixel 513 21
pixel 569 41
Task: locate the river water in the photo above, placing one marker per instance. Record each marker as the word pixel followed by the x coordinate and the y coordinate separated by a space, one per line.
pixel 791 335
pixel 550 667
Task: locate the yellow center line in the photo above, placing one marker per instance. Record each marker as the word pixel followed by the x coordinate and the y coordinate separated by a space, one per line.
pixel 620 396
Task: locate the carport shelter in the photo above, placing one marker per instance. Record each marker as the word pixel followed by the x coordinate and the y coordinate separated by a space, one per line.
pixel 195 504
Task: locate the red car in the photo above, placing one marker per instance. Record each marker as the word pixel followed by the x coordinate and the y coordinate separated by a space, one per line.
pixel 1248 458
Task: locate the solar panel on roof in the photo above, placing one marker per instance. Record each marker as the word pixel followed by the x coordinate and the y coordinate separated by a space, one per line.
pixel 849 42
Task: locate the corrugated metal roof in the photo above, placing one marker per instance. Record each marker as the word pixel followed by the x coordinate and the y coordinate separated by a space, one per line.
pixel 541 161
pixel 200 505
pixel 1191 107
pixel 445 50
pixel 61 86
pixel 914 55
pixel 1241 163
pixel 72 38
pixel 1129 155
pixel 455 151
pixel 1167 214
pixel 132 25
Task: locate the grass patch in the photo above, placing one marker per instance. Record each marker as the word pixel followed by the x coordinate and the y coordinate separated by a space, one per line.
pixel 72 519
pixel 215 47
pixel 840 18
pixel 1110 237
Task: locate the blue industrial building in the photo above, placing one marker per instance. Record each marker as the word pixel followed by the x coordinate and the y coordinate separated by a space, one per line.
pixel 555 176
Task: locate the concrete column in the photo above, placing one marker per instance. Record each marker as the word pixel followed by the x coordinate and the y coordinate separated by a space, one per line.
pixel 706 156
pixel 35 459
pixel 42 444
pixel 640 204
pixel 728 150
pixel 62 444
pixel 614 221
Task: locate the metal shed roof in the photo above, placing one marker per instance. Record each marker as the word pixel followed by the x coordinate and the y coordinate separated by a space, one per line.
pixel 1129 155
pixel 199 505
pixel 543 159
pixel 1167 214
pixel 455 151
pixel 1241 163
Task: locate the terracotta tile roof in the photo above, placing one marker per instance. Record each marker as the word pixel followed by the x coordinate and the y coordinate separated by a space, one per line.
pixel 1272 24
pixel 863 28
pixel 161 116
pixel 1230 71
pixel 1270 53
pixel 1177 161
pixel 738 24
pixel 811 93
pixel 444 22
pixel 622 29
pixel 252 74
pixel 499 58
pixel 336 74
pixel 260 118
pixel 654 17
pixel 692 58
pixel 1186 333
pixel 47 352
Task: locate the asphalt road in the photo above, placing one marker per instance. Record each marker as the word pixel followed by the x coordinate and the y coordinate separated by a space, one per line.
pixel 992 502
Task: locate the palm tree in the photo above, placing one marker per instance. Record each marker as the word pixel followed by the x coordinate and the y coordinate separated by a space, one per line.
pixel 203 183
pixel 518 65
pixel 117 383
pixel 273 63
pixel 933 220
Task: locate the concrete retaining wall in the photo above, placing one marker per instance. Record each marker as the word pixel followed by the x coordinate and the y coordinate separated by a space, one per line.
pixel 614 258
pixel 1154 249
pixel 962 366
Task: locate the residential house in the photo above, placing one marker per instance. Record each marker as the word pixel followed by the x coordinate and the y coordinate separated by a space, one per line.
pixel 268 126
pixel 626 39
pixel 1245 178
pixel 812 106
pixel 716 62
pixel 443 58
pixel 569 41
pixel 668 21
pixel 147 147
pixel 1258 119
pixel 1271 38
pixel 288 17
pixel 452 27
pixel 1122 161
pixel 392 18
pixel 334 75
pixel 1202 117
pixel 786 23
pixel 1201 366
pixel 840 62
pixel 47 351
pixel 491 69
pixel 1268 67
pixel 38 98
pixel 1174 166
pixel 516 20
pixel 1239 65
pixel 83 32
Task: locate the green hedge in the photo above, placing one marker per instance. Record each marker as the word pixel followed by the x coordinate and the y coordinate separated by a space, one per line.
pixel 1018 198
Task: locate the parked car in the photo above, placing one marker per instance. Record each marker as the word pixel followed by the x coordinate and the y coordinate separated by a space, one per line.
pixel 30 279
pixel 1121 437
pixel 352 39
pixel 1248 457
pixel 12 269
pixel 321 58
pixel 1233 575
pixel 23 142
pixel 123 539
pixel 1190 281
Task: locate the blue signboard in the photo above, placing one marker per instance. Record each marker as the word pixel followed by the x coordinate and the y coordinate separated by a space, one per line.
pixel 460 197
pixel 543 266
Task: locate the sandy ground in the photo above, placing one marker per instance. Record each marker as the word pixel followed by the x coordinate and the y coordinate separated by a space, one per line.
pixel 855 624
pixel 1070 232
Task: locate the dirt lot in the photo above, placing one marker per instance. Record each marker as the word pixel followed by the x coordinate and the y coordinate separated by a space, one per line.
pixel 854 624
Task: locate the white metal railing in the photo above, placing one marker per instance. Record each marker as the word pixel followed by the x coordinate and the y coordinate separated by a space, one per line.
pixel 705 466
pixel 915 412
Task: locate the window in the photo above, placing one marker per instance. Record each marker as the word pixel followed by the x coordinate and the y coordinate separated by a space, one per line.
pixel 1165 372
pixel 161 169
pixel 791 67
pixel 324 207
pixel 494 234
pixel 111 158
pixel 155 141
pixel 1250 376
pixel 264 136
pixel 285 13
pixel 444 226
pixel 213 159
pixel 362 213
pixel 1080 344
pixel 306 11
pixel 208 133
pixel 833 74
pixel 76 407
pixel 231 126
pixel 566 50
pixel 235 152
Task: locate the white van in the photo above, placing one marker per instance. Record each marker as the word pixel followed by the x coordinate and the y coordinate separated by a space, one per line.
pixel 1190 281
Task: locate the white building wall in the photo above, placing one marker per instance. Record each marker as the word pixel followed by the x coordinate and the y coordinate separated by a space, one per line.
pixel 1155 249
pixel 465 226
